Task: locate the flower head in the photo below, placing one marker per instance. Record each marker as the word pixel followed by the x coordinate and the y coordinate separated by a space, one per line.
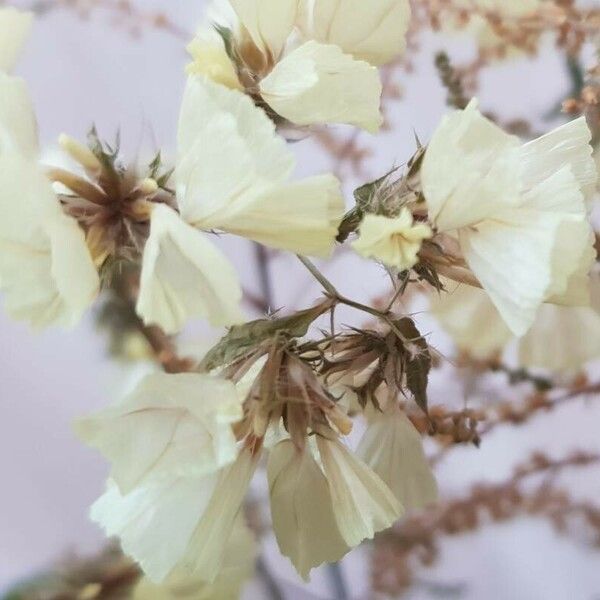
pixel 232 175
pixel 14 30
pixel 518 212
pixel 393 241
pixel 307 61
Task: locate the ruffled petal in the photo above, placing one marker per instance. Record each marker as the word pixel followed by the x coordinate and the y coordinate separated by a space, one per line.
pixel 472 320
pixel 470 170
pixel 318 84
pixel 568 145
pixel 269 22
pixel 373 31
pixel 302 511
pixel 14 30
pixel 46 271
pixel 170 425
pixel 302 216
pixel 156 521
pixel 185 276
pixel 363 504
pixel 238 568
pixel 205 556
pixel 393 448
pixel 227 148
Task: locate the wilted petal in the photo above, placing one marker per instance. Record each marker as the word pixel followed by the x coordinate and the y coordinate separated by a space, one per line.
pixel 227 148
pixel 363 504
pixel 169 426
pixel 46 270
pixel 569 145
pixel 302 511
pixel 155 522
pixel 393 448
pixel 238 567
pixel 394 241
pixel 14 30
pixel 302 216
pixel 184 275
pixel 205 556
pixel 374 31
pixel 18 126
pixel 269 22
pixel 318 83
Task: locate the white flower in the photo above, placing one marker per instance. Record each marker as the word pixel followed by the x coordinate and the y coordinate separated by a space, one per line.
pixel 362 502
pixel 520 214
pixel 170 425
pixel 238 567
pixel 232 175
pixel 312 61
pixel 394 241
pixel 178 525
pixel 561 339
pixel 14 30
pixel 393 448
pixel 302 510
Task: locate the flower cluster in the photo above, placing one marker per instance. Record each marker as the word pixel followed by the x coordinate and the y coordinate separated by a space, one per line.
pixel 509 221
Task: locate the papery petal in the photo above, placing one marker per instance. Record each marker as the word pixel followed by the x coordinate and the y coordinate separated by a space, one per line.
pixel 373 31
pixel 210 59
pixel 156 521
pixel 561 339
pixel 269 22
pixel 18 126
pixel 393 448
pixel 568 145
pixel 184 276
pixel 363 504
pixel 318 84
pixel 14 30
pixel 238 567
pixel 471 319
pixel 46 270
pixel 302 216
pixel 302 511
pixel 470 170
pixel 513 261
pixel 169 426
pixel 206 553
pixel 394 241
pixel 227 147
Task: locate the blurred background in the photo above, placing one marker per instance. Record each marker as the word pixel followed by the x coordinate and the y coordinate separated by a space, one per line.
pixel 121 69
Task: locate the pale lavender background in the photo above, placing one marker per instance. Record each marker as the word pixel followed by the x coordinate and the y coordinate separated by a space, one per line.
pixel 81 72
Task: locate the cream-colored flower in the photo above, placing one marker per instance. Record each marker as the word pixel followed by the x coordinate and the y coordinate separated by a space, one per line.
pixel 46 271
pixel 238 567
pixel 311 61
pixel 363 504
pixel 519 213
pixel 211 60
pixel 393 448
pixel 232 175
pixel 170 425
pixel 393 241
pixel 374 32
pixel 561 339
pixel 302 510
pixel 178 525
pixel 14 30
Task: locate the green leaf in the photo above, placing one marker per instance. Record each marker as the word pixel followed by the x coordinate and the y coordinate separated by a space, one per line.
pixel 242 339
